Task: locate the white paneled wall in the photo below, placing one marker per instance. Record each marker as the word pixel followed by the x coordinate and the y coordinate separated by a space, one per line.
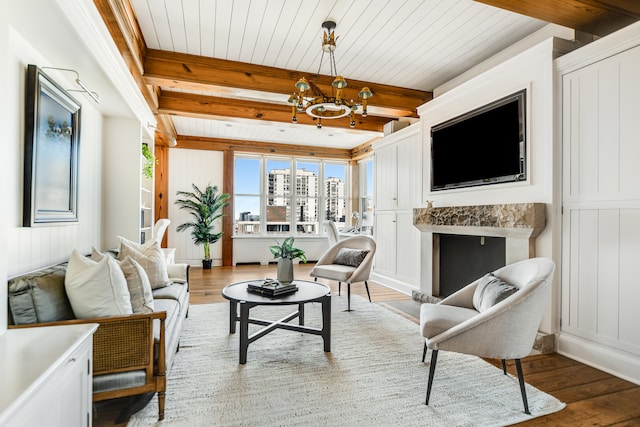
pixel 34 247
pixel 601 221
pixel 187 167
pixel 532 70
pixel 5 161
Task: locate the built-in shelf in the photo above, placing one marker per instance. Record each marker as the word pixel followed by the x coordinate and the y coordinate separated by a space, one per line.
pixel 129 203
pixel 146 199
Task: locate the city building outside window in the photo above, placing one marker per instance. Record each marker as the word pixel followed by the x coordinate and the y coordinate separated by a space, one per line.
pixel 279 196
pixel 276 195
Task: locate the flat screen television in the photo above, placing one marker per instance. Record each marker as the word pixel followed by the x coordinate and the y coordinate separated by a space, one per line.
pixel 484 146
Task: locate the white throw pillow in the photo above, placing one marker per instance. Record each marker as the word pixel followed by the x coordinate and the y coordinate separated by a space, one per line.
pixel 138 283
pixel 150 257
pixel 96 289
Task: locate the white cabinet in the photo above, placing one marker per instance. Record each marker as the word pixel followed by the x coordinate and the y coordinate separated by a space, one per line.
pixel 398 178
pixel 385 236
pixel 601 206
pixel 47 376
pixel 410 170
pixel 386 177
pixel 407 249
pixel 397 261
pixel 398 170
pixel 128 194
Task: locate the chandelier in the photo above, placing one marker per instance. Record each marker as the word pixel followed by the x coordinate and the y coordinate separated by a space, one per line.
pixel 319 105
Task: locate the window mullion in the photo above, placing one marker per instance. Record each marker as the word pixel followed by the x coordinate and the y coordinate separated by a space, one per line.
pixel 263 196
pixel 293 197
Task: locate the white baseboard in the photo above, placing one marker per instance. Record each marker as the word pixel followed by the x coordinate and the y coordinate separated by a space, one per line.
pixel 198 262
pixel 616 362
pixel 394 284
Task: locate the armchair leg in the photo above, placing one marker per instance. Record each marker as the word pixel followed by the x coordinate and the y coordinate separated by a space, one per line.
pixel 348 296
pixel 339 286
pixel 432 369
pixel 522 390
pixel 504 366
pixel 424 351
pixel 366 286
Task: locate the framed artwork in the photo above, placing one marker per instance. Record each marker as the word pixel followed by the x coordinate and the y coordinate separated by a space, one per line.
pixel 52 136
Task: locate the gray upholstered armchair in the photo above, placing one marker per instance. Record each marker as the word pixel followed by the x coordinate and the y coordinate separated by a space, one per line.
pixel 349 261
pixel 496 316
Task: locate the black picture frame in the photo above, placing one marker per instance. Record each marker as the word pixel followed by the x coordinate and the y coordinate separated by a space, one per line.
pixel 51 144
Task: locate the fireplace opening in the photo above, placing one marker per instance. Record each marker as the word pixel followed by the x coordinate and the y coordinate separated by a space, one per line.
pixel 463 259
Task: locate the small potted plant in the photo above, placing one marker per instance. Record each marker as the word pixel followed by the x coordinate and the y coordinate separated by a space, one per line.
pixel 205 207
pixel 149 161
pixel 286 253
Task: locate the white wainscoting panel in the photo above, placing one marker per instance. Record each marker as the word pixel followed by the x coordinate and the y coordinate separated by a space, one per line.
pixel 249 250
pixel 600 280
pixel 187 167
pixel 601 222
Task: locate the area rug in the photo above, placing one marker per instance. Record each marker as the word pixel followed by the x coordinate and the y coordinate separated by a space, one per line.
pixel 373 376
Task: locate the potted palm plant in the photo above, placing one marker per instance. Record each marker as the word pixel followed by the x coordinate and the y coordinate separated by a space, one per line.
pixel 286 253
pixel 205 207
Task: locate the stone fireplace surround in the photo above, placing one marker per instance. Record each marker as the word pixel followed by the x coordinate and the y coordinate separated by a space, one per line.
pixel 518 223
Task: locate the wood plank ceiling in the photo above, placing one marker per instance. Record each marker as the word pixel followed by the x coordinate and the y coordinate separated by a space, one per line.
pixel 220 71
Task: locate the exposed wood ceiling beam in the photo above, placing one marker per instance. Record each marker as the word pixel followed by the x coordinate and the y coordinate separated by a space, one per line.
pixel 184 71
pixel 221 144
pixel 362 150
pixel 599 17
pixel 203 106
pixel 153 69
pixel 122 25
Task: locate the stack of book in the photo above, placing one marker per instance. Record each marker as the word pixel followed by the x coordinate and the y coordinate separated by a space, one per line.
pixel 271 288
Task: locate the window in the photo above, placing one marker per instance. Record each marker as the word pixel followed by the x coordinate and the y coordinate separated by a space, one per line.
pixel 366 195
pixel 335 191
pixel 276 195
pixel 247 195
pixel 307 197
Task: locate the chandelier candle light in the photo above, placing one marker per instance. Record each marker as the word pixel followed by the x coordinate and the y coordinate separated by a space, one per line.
pixel 318 105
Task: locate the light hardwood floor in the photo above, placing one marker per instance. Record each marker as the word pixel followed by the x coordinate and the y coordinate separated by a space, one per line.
pixel 593 397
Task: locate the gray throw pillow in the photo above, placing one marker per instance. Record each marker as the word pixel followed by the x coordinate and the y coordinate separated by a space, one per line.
pixel 491 291
pixel 350 257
